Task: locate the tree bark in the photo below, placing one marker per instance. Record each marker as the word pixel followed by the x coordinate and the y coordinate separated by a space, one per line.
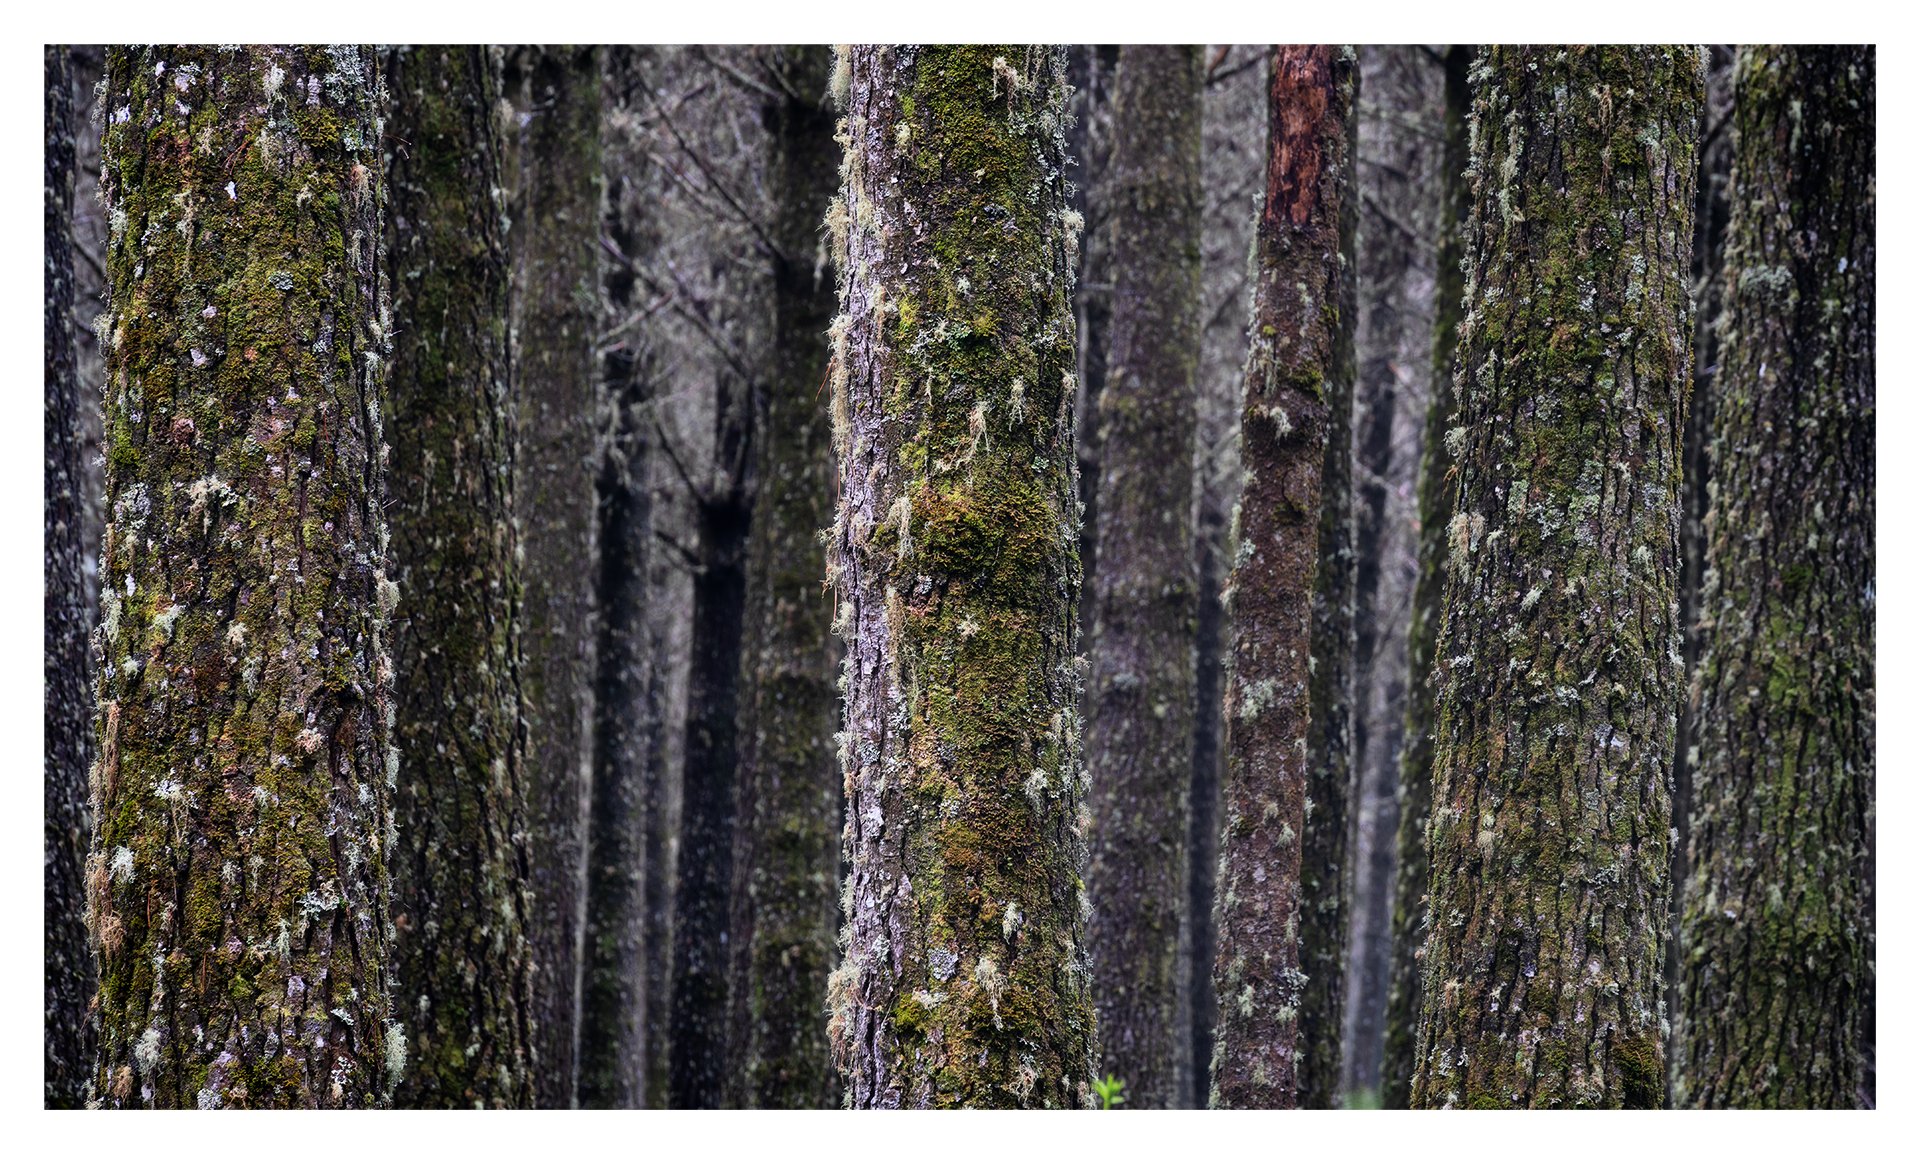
pixel 1299 367
pixel 787 864
pixel 1415 791
pixel 1558 658
pixel 70 979
pixel 460 868
pixel 1140 717
pixel 238 880
pixel 558 182
pixel 964 979
pixel 1776 936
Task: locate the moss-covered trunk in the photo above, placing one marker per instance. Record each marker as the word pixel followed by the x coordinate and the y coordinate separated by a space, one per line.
pixel 1299 366
pixel 1777 955
pixel 964 978
pixel 459 869
pixel 238 880
pixel 1558 656
pixel 557 180
pixel 786 861
pixel 69 705
pixel 1436 496
pixel 1140 711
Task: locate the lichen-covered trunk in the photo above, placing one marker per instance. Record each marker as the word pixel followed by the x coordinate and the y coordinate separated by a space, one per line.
pixel 1436 497
pixel 69 705
pixel 1777 947
pixel 1299 366
pixel 787 856
pixel 964 979
pixel 1090 80
pixel 238 874
pixel 557 180
pixel 1558 656
pixel 1139 739
pixel 459 868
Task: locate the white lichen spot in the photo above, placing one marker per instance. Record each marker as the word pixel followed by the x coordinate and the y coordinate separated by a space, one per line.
pixel 1010 921
pixel 121 866
pixel 396 1050
pixel 146 1051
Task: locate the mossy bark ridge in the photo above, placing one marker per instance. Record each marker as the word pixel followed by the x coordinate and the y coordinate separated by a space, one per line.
pixel 1558 660
pixel 1296 349
pixel 1140 719
pixel 964 980
pixel 786 867
pixel 1436 498
pixel 558 182
pixel 238 881
pixel 460 866
pixel 1776 933
pixel 69 704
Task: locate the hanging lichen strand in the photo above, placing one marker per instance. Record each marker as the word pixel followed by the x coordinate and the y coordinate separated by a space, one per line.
pixel 1558 660
pixel 1140 727
pixel 1436 506
pixel 1777 962
pixel 964 980
pixel 237 884
pixel 460 869
pixel 1296 347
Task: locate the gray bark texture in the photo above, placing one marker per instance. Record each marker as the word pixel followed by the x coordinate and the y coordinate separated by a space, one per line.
pixel 964 979
pixel 460 865
pixel 1299 369
pixel 1558 657
pixel 70 980
pixel 1777 936
pixel 557 182
pixel 237 879
pixel 1139 735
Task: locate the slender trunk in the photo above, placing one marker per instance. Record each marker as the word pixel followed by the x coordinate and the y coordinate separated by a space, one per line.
pixel 459 870
pixel 1777 948
pixel 616 977
pixel 1299 368
pixel 787 865
pixel 697 1034
pixel 1558 657
pixel 1395 165
pixel 238 880
pixel 69 706
pixel 1140 713
pixel 1711 210
pixel 557 180
pixel 1090 80
pixel 964 978
pixel 1323 844
pixel 1436 497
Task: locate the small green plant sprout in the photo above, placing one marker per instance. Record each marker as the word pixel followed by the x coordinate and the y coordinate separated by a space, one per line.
pixel 1110 1090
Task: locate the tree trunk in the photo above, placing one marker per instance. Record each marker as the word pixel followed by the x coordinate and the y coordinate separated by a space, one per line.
pixel 238 880
pixel 1140 717
pixel 1299 367
pixel 1558 659
pixel 1415 791
pixel 1323 845
pixel 964 979
pixel 1777 935
pixel 622 853
pixel 1090 80
pixel 787 865
pixel 558 182
pixel 1711 210
pixel 460 869
pixel 69 744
